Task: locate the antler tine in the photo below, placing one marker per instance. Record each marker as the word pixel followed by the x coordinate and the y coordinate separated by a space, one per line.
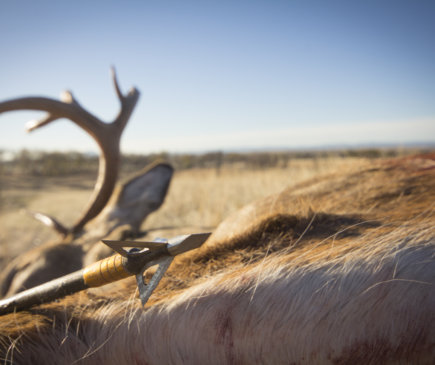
pixel 107 136
pixel 109 143
pixel 115 84
pixel 125 112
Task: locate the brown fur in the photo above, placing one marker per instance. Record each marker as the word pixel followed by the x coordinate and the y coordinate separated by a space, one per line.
pixel 339 270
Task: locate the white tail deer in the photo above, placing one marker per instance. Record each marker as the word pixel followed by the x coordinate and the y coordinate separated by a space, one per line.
pixel 337 270
pixel 127 208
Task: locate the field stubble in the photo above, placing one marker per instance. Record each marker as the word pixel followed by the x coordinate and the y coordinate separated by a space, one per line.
pixel 198 198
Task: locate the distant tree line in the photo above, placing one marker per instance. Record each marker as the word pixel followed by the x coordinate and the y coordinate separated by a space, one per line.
pixel 48 163
pixel 73 163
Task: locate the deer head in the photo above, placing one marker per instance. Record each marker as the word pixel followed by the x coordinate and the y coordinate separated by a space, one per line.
pixel 110 210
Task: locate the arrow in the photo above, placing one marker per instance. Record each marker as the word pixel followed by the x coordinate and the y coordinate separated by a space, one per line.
pixel 135 261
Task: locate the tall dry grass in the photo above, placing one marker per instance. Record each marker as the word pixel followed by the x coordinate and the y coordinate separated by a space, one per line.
pixel 204 197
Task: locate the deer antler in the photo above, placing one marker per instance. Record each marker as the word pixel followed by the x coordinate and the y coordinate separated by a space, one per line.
pixel 107 136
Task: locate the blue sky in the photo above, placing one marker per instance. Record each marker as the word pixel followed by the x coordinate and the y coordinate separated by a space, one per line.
pixel 225 75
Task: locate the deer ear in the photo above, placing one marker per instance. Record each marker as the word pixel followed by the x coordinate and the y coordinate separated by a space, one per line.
pixel 140 196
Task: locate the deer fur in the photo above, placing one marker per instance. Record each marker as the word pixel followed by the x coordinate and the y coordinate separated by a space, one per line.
pixel 338 270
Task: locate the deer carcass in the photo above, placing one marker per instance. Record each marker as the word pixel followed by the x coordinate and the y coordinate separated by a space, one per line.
pixel 337 270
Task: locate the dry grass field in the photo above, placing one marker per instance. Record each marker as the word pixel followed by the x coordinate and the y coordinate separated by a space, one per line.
pixel 198 199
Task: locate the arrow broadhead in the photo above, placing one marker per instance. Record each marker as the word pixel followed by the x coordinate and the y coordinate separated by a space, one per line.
pixel 119 246
pixel 175 246
pixel 172 247
pixel 187 242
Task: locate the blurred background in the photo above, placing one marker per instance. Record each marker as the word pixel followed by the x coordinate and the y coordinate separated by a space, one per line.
pixel 228 76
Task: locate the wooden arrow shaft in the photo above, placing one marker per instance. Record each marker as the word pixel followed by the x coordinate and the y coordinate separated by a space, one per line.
pixel 44 293
pixel 105 271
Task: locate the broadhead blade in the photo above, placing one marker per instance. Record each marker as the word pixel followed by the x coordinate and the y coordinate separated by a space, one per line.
pixel 145 290
pixel 185 243
pixel 119 246
pixel 175 246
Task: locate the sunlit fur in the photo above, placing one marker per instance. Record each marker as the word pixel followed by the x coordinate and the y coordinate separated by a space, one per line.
pixel 339 270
